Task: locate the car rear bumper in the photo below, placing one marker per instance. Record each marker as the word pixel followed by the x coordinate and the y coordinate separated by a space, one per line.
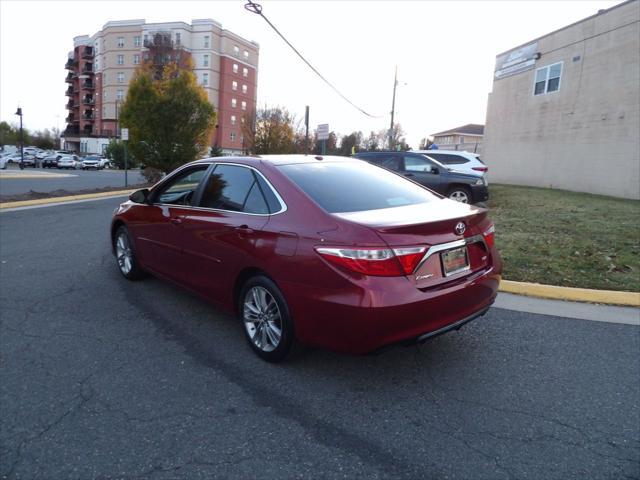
pixel 383 311
pixel 479 193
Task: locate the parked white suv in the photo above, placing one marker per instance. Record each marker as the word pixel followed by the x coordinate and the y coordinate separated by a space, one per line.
pixel 460 161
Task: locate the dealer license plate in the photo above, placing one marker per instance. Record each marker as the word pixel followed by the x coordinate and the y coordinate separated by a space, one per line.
pixel 455 261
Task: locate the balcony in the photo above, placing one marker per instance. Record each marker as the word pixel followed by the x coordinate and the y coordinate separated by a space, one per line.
pixel 70 104
pixel 71 130
pixel 87 53
pixel 69 78
pixel 69 118
pixel 87 130
pixel 88 100
pixel 106 133
pixel 88 85
pixel 70 91
pixel 71 64
pixel 88 68
pixel 88 115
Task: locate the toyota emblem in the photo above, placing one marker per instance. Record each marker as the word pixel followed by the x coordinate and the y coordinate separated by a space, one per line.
pixel 460 228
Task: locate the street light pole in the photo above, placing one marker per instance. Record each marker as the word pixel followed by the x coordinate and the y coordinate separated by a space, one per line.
pixel 393 108
pixel 19 113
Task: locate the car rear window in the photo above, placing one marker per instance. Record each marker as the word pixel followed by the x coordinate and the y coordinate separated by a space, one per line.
pixel 354 186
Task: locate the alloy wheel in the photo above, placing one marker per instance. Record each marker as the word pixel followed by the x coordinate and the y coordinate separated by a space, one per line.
pixel 124 253
pixel 459 196
pixel 262 319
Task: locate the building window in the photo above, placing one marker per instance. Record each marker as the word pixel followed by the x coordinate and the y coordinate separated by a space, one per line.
pixel 234 85
pixel 233 103
pixel 120 60
pixel 207 43
pixel 136 41
pixel 120 42
pixel 235 68
pixel 236 51
pixel 120 95
pixel 246 54
pixel 242 120
pixel 178 38
pixel 244 105
pixel 104 112
pixel 120 77
pixel 548 79
pixel 206 61
pixel 136 59
pixel 461 139
pixel 233 119
pixel 146 39
pixel 232 136
pixel 244 89
pixel 104 95
pixel 205 79
pixel 245 72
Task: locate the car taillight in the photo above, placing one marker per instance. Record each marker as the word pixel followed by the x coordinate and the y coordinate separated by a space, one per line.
pixel 380 262
pixel 488 235
pixel 480 169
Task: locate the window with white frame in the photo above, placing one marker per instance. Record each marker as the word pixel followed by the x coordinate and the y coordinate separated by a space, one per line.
pixel 236 50
pixel 120 60
pixel 246 54
pixel 242 120
pixel 136 41
pixel 233 119
pixel 461 139
pixel 120 95
pixel 205 79
pixel 104 112
pixel 244 105
pixel 104 95
pixel 244 88
pixel 232 136
pixel 120 42
pixel 234 85
pixel 146 39
pixel 178 38
pixel 136 59
pixel 235 68
pixel 206 61
pixel 547 79
pixel 207 41
pixel 120 77
pixel 245 72
pixel 233 103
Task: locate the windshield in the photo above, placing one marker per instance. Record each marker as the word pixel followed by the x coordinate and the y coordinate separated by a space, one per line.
pixel 355 186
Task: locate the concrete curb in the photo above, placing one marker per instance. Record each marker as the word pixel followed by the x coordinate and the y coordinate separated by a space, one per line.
pixel 607 297
pixel 69 198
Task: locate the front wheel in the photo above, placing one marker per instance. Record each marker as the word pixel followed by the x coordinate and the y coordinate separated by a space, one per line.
pixel 126 255
pixel 460 194
pixel 268 325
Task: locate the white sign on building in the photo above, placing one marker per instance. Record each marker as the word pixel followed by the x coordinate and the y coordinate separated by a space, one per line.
pixel 323 131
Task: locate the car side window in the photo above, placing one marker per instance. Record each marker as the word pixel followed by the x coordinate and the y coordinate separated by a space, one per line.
pixel 234 188
pixel 181 189
pixel 417 164
pixel 449 159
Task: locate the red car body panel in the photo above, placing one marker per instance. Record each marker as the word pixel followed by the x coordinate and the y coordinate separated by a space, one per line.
pixel 210 251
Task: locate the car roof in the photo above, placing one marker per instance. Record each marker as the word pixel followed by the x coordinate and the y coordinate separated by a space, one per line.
pixel 278 160
pixel 447 152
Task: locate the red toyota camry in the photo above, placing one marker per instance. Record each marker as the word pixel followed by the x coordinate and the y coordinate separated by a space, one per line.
pixel 324 251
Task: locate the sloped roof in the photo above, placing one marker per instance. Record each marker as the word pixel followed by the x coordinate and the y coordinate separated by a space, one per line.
pixel 468 129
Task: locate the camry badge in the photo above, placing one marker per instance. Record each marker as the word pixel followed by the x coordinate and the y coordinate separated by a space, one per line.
pixel 460 228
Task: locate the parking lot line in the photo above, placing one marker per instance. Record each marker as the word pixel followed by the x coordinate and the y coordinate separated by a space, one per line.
pixel 49 202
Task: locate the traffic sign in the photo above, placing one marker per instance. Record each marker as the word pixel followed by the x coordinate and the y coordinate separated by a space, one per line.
pixel 323 131
pixel 124 134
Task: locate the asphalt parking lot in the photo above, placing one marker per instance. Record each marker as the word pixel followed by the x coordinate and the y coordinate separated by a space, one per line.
pixel 104 378
pixel 72 181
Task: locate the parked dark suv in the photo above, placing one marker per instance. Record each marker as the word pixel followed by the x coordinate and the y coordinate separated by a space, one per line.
pixel 428 172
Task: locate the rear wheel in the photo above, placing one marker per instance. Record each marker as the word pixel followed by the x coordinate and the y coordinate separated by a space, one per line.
pixel 460 194
pixel 126 255
pixel 267 323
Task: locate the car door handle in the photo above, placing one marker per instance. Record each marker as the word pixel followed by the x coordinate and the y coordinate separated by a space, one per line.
pixel 176 220
pixel 244 229
pixel 409 175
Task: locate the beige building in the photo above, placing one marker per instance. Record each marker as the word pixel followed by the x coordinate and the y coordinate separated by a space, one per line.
pixel 467 137
pixel 565 108
pixel 101 65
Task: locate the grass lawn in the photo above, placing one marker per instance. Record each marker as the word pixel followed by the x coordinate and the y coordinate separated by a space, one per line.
pixel 566 238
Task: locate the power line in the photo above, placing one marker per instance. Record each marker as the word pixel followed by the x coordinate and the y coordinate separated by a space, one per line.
pixel 257 9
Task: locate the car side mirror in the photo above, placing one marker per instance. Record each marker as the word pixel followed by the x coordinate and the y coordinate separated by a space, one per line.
pixel 140 196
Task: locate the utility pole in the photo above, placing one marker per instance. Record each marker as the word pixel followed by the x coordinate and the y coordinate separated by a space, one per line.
pixel 393 108
pixel 19 113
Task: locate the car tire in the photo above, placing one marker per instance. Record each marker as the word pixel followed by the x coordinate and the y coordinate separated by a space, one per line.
pixel 266 320
pixel 125 254
pixel 460 194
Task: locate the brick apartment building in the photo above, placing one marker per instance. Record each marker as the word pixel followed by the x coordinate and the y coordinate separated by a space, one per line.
pixel 101 66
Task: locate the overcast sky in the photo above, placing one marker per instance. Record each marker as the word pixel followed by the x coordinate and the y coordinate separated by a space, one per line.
pixel 445 53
